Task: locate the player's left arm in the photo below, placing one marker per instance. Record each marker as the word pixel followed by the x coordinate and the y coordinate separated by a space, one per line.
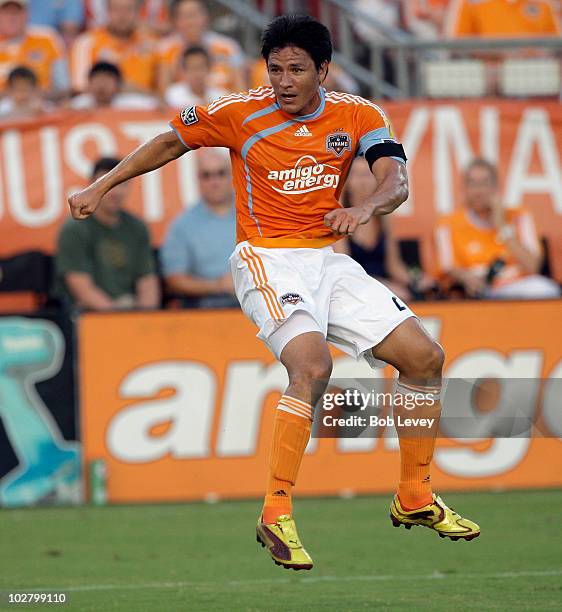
pixel 391 191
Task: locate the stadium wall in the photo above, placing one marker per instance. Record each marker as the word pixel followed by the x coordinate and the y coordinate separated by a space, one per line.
pixel 179 405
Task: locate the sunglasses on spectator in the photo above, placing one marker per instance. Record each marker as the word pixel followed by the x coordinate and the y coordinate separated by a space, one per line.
pixel 207 174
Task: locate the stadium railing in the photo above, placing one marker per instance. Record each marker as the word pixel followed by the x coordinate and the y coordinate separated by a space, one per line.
pixel 406 55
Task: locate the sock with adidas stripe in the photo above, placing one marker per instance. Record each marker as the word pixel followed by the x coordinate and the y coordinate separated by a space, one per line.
pixel 291 432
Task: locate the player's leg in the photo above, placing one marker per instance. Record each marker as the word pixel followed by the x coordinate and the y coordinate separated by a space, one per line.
pixel 307 360
pixel 273 288
pixel 419 360
pixel 366 319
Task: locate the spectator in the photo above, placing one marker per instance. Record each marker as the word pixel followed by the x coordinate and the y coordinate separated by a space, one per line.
pixel 195 254
pixel 512 18
pixel 490 251
pixel 120 42
pixel 155 17
pixel 190 22
pixel 105 85
pixel 194 87
pixel 22 97
pixel 105 262
pixel 373 245
pixel 425 18
pixel 38 48
pixel 66 16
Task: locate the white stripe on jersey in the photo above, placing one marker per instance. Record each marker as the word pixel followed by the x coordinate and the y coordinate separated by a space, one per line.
pixel 336 97
pixel 258 91
pixel 254 94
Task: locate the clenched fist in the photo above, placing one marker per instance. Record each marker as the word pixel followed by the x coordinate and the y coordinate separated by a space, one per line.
pixel 346 220
pixel 84 203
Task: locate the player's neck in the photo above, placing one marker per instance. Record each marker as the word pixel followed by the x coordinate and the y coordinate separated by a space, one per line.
pixel 312 105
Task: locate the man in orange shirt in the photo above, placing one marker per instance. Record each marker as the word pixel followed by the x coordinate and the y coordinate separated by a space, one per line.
pixel 122 43
pixel 492 252
pixel 38 48
pixel 511 18
pixel 291 147
pixel 190 21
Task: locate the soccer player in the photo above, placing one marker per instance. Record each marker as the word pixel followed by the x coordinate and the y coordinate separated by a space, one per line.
pixel 291 147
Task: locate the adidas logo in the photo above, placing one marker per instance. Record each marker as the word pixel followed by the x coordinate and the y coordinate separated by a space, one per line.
pixel 281 493
pixel 303 131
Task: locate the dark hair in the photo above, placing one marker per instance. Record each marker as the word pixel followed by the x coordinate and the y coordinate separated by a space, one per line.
pixel 481 162
pixel 22 72
pixel 104 164
pixel 105 68
pixel 299 31
pixel 195 50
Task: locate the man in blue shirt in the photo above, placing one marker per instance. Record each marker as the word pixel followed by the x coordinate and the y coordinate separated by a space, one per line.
pixel 200 240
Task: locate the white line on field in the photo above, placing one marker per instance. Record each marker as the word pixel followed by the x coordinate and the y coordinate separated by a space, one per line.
pixel 436 575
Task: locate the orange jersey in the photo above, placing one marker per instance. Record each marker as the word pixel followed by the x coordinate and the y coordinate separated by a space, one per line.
pixel 135 56
pixel 288 171
pixel 502 18
pixel 225 52
pixel 464 242
pixel 39 49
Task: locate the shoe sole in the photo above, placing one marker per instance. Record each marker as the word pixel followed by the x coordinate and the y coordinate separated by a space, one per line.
pixel 283 564
pixel 469 536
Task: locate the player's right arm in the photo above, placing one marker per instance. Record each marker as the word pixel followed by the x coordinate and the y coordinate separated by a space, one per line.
pixel 192 128
pixel 149 156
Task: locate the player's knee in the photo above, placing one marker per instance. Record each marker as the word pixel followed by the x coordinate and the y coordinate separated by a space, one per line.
pixel 314 371
pixel 426 362
pixel 432 360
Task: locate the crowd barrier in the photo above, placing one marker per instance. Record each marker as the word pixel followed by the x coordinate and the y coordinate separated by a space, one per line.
pixel 44 160
pixel 179 405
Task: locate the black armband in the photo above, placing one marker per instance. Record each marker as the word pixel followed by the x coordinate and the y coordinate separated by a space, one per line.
pixel 387 148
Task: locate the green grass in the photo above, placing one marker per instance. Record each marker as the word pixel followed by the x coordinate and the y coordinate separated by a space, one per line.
pixel 204 557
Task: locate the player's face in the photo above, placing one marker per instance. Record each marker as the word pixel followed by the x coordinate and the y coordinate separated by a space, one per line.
pixel 480 189
pixel 13 18
pixel 295 80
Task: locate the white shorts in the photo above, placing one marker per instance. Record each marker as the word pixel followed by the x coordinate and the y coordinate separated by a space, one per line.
pixel 353 311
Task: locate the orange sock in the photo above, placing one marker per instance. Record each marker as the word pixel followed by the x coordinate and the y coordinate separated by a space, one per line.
pixel 417 444
pixel 291 432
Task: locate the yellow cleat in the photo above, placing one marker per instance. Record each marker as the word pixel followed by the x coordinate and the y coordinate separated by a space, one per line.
pixel 283 543
pixel 437 516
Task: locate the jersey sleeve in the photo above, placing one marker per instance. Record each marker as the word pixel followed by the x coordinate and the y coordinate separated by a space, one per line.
pixel 376 136
pixel 211 126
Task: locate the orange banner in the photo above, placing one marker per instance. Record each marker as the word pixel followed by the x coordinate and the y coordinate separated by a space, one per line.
pixel 43 161
pixel 181 406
